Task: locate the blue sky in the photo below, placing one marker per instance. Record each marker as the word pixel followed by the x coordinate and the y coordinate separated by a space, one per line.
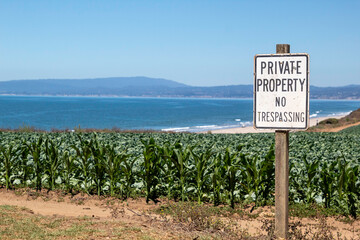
pixel 201 43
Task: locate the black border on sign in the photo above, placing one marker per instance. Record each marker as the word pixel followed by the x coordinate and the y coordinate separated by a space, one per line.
pixel 307 92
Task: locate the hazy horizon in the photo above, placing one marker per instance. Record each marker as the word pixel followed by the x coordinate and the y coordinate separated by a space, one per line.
pixel 80 79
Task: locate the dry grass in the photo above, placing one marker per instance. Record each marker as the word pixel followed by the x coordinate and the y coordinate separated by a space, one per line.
pixel 332 123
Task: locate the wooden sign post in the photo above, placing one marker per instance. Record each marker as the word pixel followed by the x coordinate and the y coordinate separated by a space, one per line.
pixel 282 173
pixel 281 102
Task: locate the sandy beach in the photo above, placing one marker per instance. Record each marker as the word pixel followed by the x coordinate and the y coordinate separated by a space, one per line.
pixel 313 122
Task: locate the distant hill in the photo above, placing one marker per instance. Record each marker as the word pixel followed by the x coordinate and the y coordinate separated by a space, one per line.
pixel 95 86
pixel 150 87
pixel 344 92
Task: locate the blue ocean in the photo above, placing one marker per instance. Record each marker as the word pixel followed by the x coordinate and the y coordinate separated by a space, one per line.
pixel 168 114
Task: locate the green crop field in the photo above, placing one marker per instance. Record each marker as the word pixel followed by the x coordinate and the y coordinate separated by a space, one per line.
pixel 354 129
pixel 220 169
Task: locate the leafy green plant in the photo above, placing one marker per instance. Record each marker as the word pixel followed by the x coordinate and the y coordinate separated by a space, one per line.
pixel 113 166
pixel 217 173
pixel 35 151
pixel 202 162
pixel 127 169
pixel 52 162
pixel 231 168
pixel 311 179
pixel 167 151
pixel 99 158
pixel 267 177
pixel 348 187
pixel 180 159
pixel 68 170
pixel 8 158
pixel 84 154
pixel 327 182
pixel 353 190
pixel 152 168
pixel 23 166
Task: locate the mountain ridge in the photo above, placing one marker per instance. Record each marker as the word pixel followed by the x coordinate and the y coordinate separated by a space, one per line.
pixel 151 87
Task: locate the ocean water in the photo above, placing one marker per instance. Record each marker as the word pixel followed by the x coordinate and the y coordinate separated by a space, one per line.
pixel 176 114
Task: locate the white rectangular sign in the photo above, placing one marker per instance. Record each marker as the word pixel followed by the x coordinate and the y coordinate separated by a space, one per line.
pixel 281 91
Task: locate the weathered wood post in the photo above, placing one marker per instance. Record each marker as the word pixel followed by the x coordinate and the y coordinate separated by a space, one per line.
pixel 282 173
pixel 281 102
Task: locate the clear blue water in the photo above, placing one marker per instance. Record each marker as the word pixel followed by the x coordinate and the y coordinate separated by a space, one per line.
pixel 141 113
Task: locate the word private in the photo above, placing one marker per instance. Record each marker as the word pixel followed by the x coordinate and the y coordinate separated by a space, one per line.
pixel 281 91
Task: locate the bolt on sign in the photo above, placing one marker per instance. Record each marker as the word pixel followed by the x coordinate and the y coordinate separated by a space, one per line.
pixel 281 91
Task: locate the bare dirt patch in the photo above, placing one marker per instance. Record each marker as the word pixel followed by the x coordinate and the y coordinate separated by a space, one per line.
pixel 328 128
pixel 139 219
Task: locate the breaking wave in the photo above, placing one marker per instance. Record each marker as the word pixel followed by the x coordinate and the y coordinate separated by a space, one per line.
pixel 204 128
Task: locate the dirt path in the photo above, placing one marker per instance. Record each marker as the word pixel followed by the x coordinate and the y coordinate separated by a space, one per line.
pixel 81 205
pixel 48 207
pixel 338 129
pixel 135 212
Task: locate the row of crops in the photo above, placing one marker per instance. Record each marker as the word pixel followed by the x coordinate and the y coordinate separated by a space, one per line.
pixel 221 169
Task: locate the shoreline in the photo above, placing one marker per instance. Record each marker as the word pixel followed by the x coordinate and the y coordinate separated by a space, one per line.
pixel 251 129
pixel 154 96
pixel 228 130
